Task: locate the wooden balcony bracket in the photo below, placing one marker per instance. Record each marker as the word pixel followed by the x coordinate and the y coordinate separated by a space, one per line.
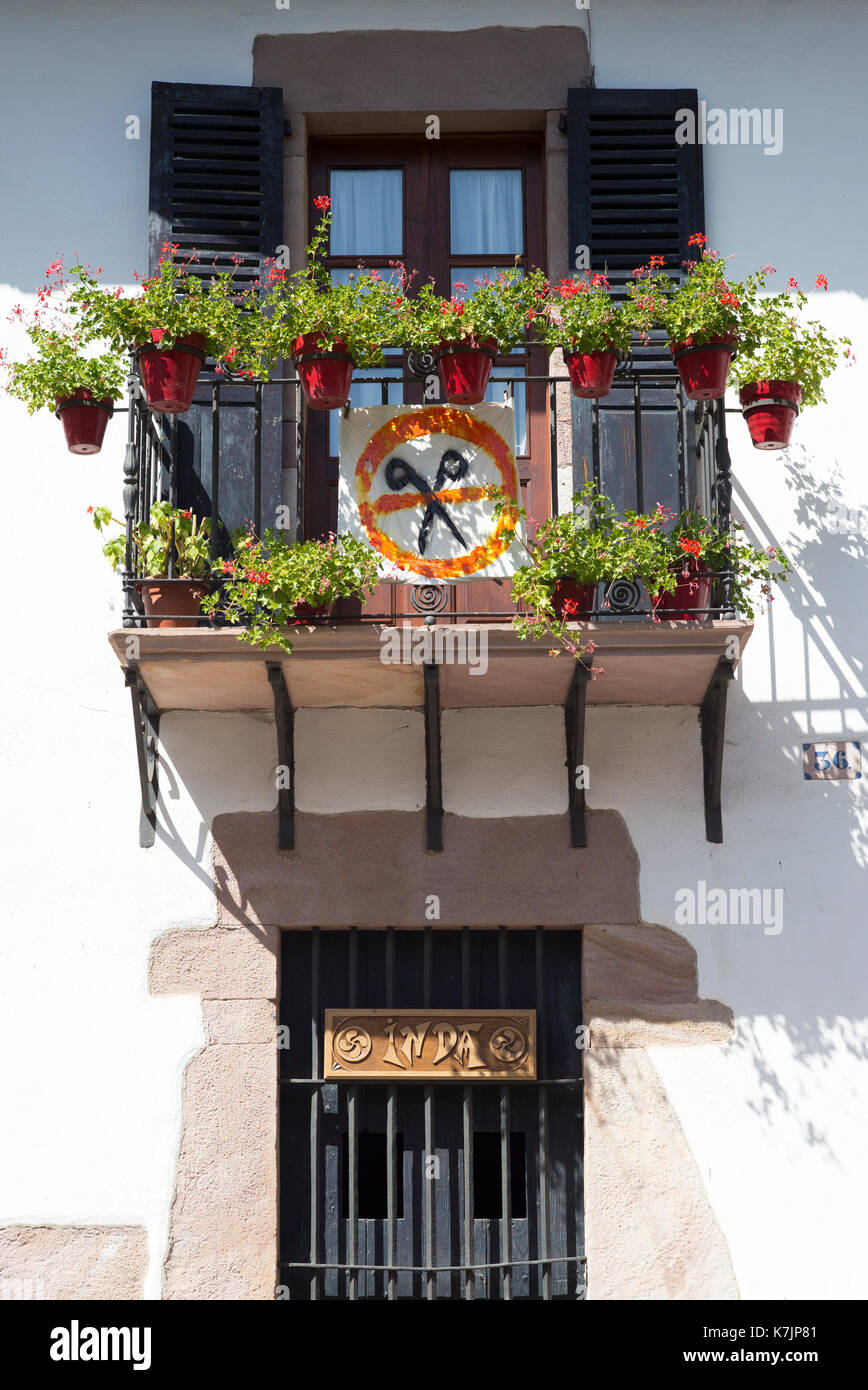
pixel 284 718
pixel 574 722
pixel 712 723
pixel 146 724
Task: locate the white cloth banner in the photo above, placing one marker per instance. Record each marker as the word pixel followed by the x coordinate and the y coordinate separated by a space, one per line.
pixel 413 483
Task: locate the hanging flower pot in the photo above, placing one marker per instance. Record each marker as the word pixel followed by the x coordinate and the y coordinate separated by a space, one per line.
pixel 591 373
pixel 703 367
pixel 84 419
pixel 770 409
pixel 179 598
pixel 464 369
pixel 690 597
pixel 572 600
pixel 325 376
pixel 170 374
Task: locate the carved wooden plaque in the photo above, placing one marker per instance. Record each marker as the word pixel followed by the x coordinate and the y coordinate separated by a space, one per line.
pixel 430 1045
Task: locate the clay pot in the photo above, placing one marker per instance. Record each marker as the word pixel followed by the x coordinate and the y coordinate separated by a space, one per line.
pixel 770 409
pixel 181 598
pixel 325 376
pixel 591 373
pixel 310 613
pixel 569 592
pixel 464 370
pixel 169 375
pixel 84 419
pixel 703 367
pixel 689 598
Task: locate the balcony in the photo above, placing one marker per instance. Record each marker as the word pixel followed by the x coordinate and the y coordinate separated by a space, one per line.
pixel 642 444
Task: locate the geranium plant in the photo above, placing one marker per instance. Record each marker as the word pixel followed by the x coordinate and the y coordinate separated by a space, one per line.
pixel 581 315
pixel 175 302
pixel 778 344
pixel 168 530
pixel 483 309
pixel 594 544
pixel 361 314
pixel 67 359
pixel 706 307
pixel 269 576
pixel 61 368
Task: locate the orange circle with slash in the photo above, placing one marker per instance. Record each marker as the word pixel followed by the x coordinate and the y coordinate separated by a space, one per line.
pixel 458 424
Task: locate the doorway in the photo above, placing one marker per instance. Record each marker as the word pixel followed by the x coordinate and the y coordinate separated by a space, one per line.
pixel 445 1190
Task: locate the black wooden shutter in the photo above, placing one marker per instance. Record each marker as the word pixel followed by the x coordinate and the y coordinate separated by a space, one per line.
pixel 216 173
pixel 217 186
pixel 634 191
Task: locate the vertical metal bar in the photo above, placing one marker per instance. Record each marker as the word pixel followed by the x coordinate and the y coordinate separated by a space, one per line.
pixel 299 462
pixel 315 1103
pixel 391 1138
pixel 257 457
pixel 433 777
pixel 553 444
pixel 543 1122
pixel 384 392
pixel 215 466
pixel 637 427
pixel 131 480
pixel 353 1132
pixel 682 452
pixel 173 462
pixel 428 1177
pixel 505 1154
pixel 467 1145
pixel 595 444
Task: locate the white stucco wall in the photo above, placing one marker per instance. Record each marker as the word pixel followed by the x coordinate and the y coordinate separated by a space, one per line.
pixel 92 1095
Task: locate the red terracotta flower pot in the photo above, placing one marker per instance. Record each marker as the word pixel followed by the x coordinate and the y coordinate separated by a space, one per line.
pixel 325 376
pixel 170 374
pixel 572 600
pixel 181 598
pixel 703 367
pixel 689 598
pixel 464 370
pixel 770 409
pixel 591 373
pixel 84 419
pixel 311 613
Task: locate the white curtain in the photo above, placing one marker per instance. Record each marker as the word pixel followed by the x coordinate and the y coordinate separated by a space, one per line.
pixel 485 210
pixel 367 212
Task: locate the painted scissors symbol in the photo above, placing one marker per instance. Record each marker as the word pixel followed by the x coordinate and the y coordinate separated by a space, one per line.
pixel 452 468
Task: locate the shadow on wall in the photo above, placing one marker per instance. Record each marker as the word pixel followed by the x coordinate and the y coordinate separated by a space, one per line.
pixel 818 1017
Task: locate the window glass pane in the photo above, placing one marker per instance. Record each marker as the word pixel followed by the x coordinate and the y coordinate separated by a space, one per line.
pixel 485 212
pixel 367 212
pixel 498 392
pixel 364 393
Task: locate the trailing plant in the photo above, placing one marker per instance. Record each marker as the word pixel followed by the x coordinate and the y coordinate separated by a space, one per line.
pixel 270 576
pixel 60 369
pixel 501 309
pixel 67 359
pixel 167 527
pixel 779 345
pixel 594 544
pixel 363 313
pixel 175 302
pixel 705 307
pixel 581 315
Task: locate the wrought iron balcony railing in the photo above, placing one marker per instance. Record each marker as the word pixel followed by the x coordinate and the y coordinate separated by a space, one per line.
pixel 226 458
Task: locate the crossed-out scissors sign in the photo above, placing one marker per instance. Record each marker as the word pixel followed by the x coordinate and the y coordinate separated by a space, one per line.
pixel 419 484
pixel 453 467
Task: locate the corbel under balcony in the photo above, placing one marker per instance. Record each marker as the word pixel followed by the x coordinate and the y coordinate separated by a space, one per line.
pixel 343 666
